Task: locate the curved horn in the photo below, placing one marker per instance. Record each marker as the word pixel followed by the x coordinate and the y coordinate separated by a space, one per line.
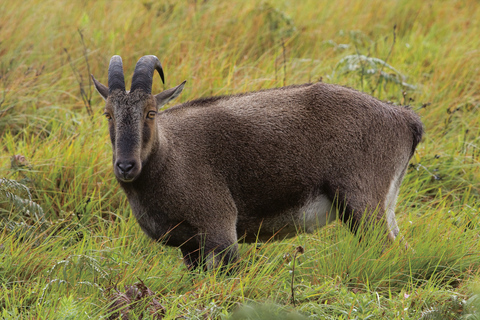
pixel 143 74
pixel 115 75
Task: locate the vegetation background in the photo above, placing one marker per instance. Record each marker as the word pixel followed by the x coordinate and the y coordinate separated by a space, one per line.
pixel 69 245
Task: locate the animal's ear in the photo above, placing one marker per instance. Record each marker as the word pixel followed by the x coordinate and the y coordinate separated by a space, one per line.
pixel 168 95
pixel 103 90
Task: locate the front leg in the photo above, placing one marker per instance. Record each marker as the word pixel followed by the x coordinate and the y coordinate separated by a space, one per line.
pixel 210 250
pixel 211 213
pixel 190 258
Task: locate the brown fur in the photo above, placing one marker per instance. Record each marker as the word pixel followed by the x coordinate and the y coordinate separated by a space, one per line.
pixel 211 171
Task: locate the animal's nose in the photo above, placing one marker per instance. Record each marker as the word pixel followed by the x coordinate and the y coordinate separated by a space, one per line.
pixel 127 170
pixel 125 167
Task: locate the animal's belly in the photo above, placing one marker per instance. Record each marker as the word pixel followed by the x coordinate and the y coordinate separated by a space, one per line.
pixel 314 213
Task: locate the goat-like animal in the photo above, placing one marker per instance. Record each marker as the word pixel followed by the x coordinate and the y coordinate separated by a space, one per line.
pixel 206 173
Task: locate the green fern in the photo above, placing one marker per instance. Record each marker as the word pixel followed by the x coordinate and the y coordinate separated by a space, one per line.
pixel 68 309
pixel 370 68
pixel 16 203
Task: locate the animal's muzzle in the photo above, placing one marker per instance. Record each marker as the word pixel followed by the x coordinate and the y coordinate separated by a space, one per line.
pixel 127 170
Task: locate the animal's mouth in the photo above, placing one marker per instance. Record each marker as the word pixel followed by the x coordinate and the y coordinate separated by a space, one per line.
pixel 126 179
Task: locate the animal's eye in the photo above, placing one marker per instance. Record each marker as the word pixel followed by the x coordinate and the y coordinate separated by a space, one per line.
pixel 151 114
pixel 107 115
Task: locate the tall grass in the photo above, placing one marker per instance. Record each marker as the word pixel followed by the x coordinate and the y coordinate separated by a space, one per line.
pixel 66 262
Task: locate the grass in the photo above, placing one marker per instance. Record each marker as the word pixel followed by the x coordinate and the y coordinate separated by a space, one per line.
pixel 67 259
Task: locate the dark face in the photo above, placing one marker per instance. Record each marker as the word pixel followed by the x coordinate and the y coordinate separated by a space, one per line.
pixel 131 122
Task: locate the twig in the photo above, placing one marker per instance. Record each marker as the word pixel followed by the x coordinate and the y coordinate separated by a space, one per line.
pixel 85 55
pixel 284 64
pixel 362 63
pixel 86 97
pixel 276 58
pixel 4 76
pixel 2 112
pixel 385 61
pixel 300 250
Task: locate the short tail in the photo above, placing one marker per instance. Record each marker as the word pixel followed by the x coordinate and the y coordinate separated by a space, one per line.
pixel 417 129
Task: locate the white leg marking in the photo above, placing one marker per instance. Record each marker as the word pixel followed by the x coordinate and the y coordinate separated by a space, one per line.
pixel 391 201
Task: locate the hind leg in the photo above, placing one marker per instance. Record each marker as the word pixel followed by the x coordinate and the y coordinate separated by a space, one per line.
pixel 364 206
pixel 363 211
pixel 390 203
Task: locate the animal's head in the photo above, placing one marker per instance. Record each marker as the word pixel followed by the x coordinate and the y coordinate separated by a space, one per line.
pixel 131 114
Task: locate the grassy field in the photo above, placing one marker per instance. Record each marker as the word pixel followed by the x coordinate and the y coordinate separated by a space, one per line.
pixel 68 241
